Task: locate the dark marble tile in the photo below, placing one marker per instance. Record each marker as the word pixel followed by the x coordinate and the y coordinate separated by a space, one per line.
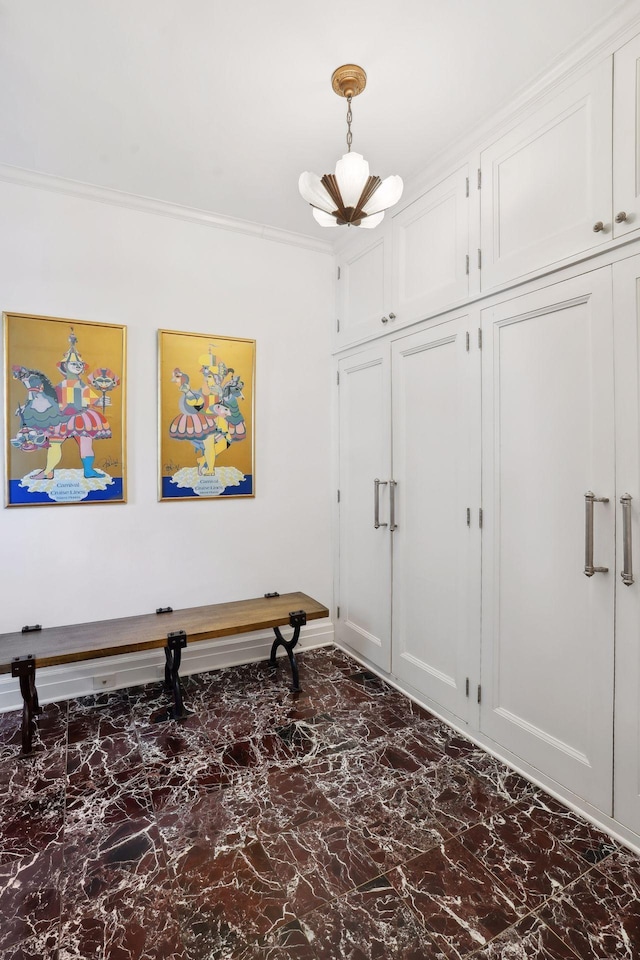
pixel 589 842
pixel 596 918
pixel 319 860
pixel 398 823
pixel 32 827
pixel 528 859
pixel 102 758
pixel 529 938
pixel 122 922
pixel 502 778
pixel 30 904
pixel 41 946
pixel 228 900
pixel 99 715
pixel 459 799
pixel 623 867
pixel 21 779
pixel 371 923
pixel 461 905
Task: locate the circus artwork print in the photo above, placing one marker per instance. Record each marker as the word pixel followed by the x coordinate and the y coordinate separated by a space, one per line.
pixel 206 409
pixel 65 411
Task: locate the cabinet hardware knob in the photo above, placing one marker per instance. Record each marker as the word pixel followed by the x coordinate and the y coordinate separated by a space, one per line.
pixel 392 316
pixel 598 227
pixel 621 217
pixel 384 319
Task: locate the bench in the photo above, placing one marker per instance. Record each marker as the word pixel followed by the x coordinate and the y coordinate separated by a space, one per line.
pixel 53 646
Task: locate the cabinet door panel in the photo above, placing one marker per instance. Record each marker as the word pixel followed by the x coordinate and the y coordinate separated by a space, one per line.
pixel 627 709
pixel 547 182
pixel 432 545
pixel 430 245
pixel 548 438
pixel 626 134
pixel 365 552
pixel 362 287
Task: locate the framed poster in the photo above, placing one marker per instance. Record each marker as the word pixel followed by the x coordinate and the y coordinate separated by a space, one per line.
pixel 65 411
pixel 206 411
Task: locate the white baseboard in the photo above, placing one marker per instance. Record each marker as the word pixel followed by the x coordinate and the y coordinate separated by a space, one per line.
pixel 131 669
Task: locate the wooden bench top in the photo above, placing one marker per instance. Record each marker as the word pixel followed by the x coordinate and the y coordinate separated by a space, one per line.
pixel 104 638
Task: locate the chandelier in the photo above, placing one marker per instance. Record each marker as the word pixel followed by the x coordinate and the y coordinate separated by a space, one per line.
pixel 350 195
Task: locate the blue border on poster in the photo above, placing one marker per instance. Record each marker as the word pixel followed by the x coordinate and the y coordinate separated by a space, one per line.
pixel 171 492
pixel 20 495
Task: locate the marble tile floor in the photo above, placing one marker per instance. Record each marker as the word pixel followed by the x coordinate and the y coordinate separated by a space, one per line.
pixel 341 823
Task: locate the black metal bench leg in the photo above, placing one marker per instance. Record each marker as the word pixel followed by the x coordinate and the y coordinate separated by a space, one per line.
pixel 297 619
pixel 25 669
pixel 173 656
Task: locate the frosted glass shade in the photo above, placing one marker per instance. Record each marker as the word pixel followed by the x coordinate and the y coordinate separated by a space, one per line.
pixel 351 195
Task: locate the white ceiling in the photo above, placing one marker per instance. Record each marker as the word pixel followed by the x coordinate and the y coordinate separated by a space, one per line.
pixel 220 105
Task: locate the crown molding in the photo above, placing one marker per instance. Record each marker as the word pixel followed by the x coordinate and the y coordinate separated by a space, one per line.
pixel 174 211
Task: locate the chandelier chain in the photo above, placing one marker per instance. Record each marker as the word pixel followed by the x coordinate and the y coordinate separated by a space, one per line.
pixel 349 119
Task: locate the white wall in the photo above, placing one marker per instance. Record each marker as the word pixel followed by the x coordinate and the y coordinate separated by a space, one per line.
pixel 71 257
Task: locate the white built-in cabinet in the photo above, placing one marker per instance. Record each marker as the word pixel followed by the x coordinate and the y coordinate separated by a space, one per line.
pixel 417 262
pixel 548 438
pixel 626 305
pixel 494 568
pixel 409 546
pixel 626 139
pixel 547 182
pixel 364 597
pixel 430 250
pixel 562 180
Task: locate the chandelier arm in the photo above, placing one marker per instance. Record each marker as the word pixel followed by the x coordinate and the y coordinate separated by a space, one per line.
pixel 330 183
pixel 370 188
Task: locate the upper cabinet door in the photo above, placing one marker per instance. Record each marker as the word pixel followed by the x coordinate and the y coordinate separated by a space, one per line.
pixel 363 285
pixel 546 185
pixel 430 240
pixel 626 147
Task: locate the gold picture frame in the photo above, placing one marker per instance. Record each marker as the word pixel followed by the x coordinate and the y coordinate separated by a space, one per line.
pixel 206 386
pixel 64 392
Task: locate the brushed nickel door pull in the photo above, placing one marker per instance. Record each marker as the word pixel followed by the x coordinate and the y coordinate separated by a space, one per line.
pixel 589 500
pixel 376 503
pixel 627 568
pixel 392 507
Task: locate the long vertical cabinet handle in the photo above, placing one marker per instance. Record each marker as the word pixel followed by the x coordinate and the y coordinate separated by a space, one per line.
pixel 589 500
pixel 376 503
pixel 392 516
pixel 627 569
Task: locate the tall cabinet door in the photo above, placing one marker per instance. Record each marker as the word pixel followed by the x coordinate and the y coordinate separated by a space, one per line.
pixel 548 439
pixel 435 594
pixel 626 298
pixel 365 542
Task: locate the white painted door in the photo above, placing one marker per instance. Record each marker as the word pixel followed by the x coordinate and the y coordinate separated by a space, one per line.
pixel 364 593
pixel 436 562
pixel 626 142
pixel 430 240
pixel 547 182
pixel 626 299
pixel 548 439
pixel 363 287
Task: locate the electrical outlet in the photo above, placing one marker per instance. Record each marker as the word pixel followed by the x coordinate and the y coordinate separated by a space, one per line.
pixel 105 682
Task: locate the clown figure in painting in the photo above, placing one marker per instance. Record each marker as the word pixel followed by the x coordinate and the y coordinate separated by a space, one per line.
pixel 210 419
pixel 50 416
